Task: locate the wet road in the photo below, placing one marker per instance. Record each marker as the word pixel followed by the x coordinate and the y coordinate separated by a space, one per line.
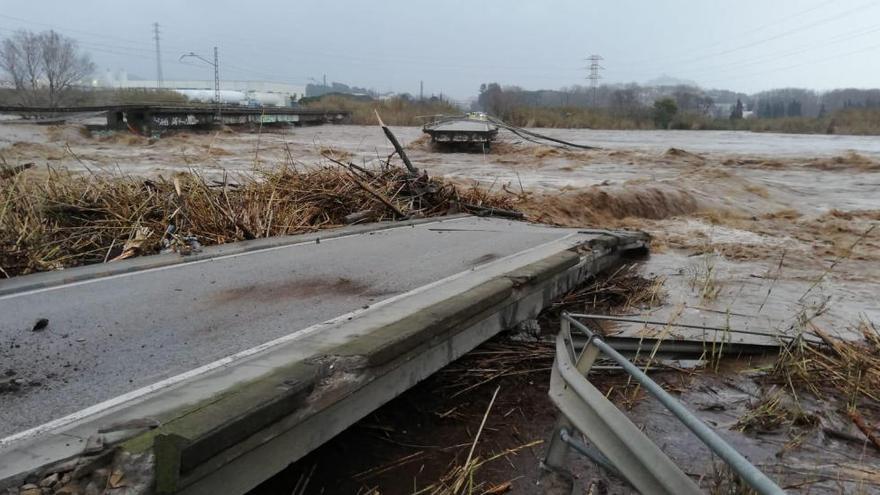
pixel 111 335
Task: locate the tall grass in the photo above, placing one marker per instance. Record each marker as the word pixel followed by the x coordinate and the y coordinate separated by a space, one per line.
pixel 858 121
pixel 97 97
pixel 578 118
pixel 394 111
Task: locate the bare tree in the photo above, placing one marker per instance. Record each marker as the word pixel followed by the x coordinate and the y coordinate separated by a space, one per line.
pixel 20 58
pixel 63 65
pixel 43 66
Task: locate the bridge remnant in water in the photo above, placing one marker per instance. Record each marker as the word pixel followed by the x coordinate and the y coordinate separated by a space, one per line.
pixel 147 119
pixel 263 350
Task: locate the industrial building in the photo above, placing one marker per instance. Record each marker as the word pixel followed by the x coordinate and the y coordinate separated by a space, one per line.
pixel 232 92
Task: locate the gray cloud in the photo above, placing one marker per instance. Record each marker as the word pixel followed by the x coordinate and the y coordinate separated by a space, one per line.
pixel 455 45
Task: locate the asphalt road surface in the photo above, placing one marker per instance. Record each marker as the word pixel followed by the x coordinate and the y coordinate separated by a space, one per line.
pixel 110 335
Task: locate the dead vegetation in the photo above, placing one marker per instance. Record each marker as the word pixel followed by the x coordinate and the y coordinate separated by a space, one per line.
pixel 60 219
pixel 619 291
pixel 847 369
pixel 772 411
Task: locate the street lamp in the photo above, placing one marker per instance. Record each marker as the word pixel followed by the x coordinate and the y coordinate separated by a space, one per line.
pixel 216 65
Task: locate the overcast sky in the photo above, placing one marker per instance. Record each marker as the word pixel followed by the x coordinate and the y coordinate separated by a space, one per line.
pixel 454 45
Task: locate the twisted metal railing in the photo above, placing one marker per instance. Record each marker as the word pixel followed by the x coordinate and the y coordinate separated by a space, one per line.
pixel 620 446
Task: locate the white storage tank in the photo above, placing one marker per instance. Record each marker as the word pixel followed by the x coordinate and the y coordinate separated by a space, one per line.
pixel 227 97
pixel 267 99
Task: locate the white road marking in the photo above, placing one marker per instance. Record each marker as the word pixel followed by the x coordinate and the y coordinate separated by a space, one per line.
pixel 206 260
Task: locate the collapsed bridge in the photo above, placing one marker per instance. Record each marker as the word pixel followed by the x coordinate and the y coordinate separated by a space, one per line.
pixel 146 119
pixel 213 372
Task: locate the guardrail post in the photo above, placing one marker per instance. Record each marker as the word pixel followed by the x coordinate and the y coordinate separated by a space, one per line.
pixel 637 458
pixel 557 451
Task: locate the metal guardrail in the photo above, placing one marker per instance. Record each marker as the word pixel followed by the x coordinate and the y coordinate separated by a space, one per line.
pixel 618 441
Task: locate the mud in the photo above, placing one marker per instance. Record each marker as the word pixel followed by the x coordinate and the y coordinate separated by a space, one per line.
pixel 294 289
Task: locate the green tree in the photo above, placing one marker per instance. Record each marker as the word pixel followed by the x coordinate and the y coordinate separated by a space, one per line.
pixel 737 112
pixel 664 111
pixel 491 99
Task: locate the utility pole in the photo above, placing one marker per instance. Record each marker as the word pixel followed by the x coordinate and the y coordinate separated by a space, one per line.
pixel 325 80
pixel 217 83
pixel 594 74
pixel 421 90
pixel 158 55
pixel 216 65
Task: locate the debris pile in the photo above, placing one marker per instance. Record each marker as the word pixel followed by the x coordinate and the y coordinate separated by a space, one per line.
pixel 843 374
pixel 60 219
pixel 103 471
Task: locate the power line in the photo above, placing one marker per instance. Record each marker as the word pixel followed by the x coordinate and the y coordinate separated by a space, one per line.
pixel 789 32
pixel 780 55
pixel 794 66
pixel 139 49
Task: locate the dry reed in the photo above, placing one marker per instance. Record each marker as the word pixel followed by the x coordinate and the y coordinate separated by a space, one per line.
pixel 60 219
pixel 849 369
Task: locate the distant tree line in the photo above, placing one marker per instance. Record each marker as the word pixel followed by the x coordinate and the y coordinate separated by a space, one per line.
pixel 337 88
pixel 43 67
pixel 634 100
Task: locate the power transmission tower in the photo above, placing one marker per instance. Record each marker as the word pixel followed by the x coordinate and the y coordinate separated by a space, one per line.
pixel 594 74
pixel 158 55
pixel 217 82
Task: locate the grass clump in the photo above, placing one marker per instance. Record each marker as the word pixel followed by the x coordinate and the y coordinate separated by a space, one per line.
pixel 772 411
pixel 849 369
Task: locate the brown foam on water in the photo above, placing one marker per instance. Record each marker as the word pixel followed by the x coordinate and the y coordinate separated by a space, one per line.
pixel 68 134
pixel 21 151
pixel 848 162
pixel 596 204
pixel 124 138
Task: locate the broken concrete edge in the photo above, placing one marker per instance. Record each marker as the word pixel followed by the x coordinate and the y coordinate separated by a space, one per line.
pixel 298 381
pixel 43 280
pixel 193 434
pixel 242 467
pixel 108 468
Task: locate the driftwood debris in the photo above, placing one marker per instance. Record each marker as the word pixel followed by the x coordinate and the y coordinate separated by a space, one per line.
pixel 397 147
pixel 415 173
pixel 363 185
pixel 494 212
pixel 357 217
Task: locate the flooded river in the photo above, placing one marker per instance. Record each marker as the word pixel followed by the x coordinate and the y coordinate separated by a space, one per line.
pixel 749 198
pixel 763 232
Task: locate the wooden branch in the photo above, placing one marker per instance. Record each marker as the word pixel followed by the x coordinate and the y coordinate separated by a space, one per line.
pixel 377 195
pixel 867 430
pixel 496 212
pixel 9 172
pixel 397 147
pixel 357 216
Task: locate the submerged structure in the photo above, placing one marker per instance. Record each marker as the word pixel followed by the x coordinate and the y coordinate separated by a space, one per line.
pixel 471 129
